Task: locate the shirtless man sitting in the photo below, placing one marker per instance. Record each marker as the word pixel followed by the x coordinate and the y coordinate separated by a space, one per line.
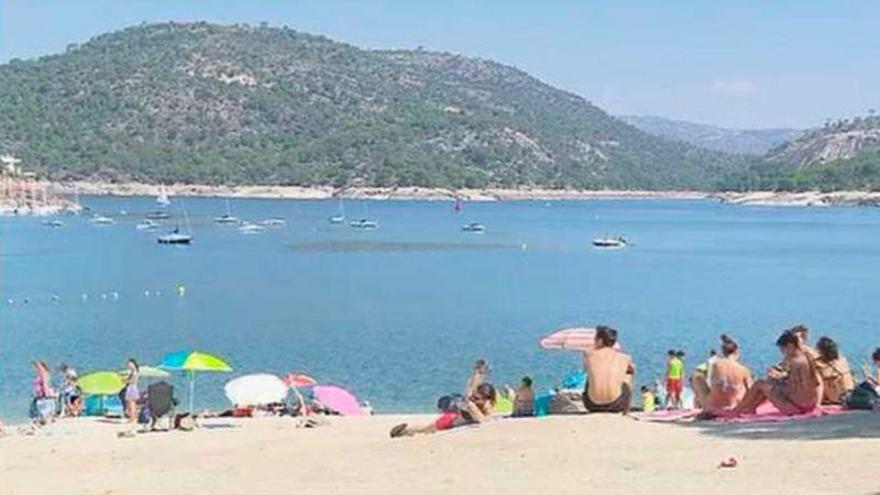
pixel 609 375
pixel 795 390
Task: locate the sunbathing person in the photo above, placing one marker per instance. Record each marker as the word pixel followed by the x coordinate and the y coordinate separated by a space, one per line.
pixel 474 410
pixel 730 380
pixel 871 377
pixel 609 375
pixel 700 380
pixel 796 390
pixel 837 379
pixel 523 399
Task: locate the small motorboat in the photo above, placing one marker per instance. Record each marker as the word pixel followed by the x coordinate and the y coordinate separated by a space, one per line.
pixel 251 228
pixel 337 219
pixel 53 223
pixel 147 225
pixel 608 242
pixel 102 220
pixel 157 215
pixel 273 222
pixel 174 237
pixel 474 227
pixel 365 224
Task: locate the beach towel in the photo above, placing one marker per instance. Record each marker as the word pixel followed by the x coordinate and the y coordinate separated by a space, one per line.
pixel 767 413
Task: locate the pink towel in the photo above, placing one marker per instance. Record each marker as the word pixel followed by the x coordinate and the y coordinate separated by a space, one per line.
pixel 767 413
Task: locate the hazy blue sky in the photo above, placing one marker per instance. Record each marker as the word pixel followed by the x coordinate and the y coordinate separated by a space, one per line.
pixel 734 63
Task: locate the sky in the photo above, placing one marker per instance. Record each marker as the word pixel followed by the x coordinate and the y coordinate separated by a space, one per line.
pixel 741 64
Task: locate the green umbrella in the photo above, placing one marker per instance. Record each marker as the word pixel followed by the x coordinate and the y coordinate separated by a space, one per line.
pixel 101 383
pixel 190 362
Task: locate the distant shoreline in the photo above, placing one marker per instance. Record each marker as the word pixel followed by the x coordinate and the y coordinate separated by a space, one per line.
pixel 752 198
pixel 375 193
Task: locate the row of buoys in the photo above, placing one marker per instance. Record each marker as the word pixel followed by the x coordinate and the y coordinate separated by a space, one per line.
pixel 180 289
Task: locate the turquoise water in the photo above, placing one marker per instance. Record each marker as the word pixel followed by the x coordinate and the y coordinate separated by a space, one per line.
pixel 398 314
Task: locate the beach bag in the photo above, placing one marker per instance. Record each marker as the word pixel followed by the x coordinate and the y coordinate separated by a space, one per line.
pixel 567 402
pixel 863 397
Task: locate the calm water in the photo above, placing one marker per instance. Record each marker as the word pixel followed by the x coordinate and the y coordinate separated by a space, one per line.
pixel 398 314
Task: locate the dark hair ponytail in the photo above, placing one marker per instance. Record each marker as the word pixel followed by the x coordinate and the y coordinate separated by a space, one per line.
pixel 728 345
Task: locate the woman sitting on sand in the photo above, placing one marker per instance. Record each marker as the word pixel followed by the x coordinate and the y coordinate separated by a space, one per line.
pixel 837 380
pixel 730 380
pixel 795 390
pixel 479 375
pixel 476 409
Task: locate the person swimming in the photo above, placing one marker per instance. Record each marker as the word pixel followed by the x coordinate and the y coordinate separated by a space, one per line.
pixel 730 380
pixel 609 375
pixel 837 379
pixel 794 390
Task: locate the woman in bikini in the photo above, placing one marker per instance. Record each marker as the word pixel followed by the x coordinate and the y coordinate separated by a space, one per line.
pixel 837 380
pixel 796 389
pixel 729 379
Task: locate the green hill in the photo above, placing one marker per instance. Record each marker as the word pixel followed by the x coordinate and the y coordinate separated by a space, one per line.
pixel 239 104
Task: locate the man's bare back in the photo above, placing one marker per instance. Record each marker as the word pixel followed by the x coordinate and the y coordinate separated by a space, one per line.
pixel 607 370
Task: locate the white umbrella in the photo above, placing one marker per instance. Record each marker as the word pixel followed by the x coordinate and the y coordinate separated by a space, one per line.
pixel 254 390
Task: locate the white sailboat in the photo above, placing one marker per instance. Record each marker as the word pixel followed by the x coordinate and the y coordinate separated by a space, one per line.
pixel 228 218
pixel 339 217
pixel 162 198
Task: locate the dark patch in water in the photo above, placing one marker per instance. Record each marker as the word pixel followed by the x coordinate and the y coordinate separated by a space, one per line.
pixel 391 246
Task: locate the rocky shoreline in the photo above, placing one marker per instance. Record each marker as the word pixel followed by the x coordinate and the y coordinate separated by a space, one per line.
pixel 803 199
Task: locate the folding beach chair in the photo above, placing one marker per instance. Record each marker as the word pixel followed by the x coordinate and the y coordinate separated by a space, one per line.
pixel 160 400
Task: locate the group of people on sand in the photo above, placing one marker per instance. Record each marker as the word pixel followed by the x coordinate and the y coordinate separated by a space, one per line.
pixel 804 379
pixel 49 403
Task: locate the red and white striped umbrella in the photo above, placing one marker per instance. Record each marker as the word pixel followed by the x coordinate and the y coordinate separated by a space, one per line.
pixel 572 339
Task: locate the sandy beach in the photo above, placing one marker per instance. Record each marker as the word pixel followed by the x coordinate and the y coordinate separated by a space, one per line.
pixel 559 454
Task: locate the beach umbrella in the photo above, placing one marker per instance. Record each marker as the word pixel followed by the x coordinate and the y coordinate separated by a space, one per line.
pixel 255 390
pixel 149 372
pixel 299 380
pixel 101 383
pixel 191 362
pixel 573 339
pixel 338 399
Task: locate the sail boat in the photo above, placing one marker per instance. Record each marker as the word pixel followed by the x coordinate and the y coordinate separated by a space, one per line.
pixel 162 198
pixel 339 217
pixel 365 223
pixel 228 218
pixel 175 236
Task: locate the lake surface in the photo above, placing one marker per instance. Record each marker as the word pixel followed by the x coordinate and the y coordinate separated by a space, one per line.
pixel 398 314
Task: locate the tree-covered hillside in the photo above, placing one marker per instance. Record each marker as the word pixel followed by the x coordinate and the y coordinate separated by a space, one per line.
pixel 241 104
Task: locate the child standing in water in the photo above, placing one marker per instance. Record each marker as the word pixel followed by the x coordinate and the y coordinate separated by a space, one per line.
pixel 674 378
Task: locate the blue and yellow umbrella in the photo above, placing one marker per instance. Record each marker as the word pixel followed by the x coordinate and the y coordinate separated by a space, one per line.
pixel 192 361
